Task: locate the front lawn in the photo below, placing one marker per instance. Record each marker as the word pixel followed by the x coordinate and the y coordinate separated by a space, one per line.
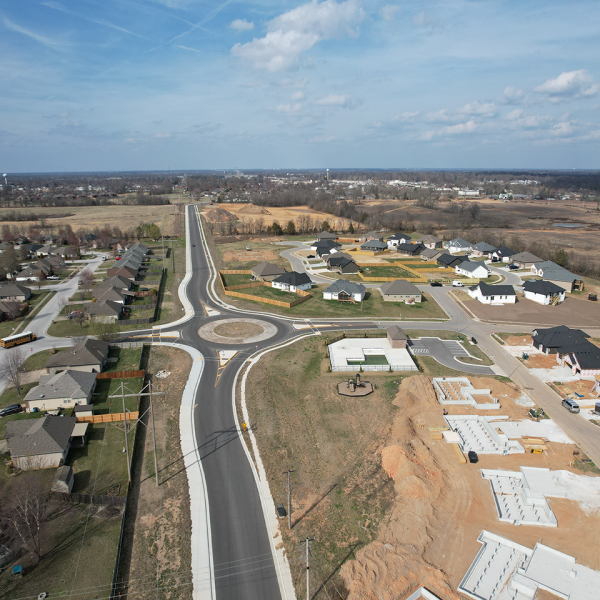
pixel 37 361
pixel 395 272
pixel 35 300
pixel 234 279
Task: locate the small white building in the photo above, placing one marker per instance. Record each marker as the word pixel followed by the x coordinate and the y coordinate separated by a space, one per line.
pixel 472 269
pixel 292 282
pixel 457 245
pixel 343 290
pixel 493 294
pixel 398 238
pixel 543 292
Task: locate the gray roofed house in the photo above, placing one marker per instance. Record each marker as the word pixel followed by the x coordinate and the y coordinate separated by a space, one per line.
pixel 292 282
pixel 61 390
pixel 481 249
pixel 266 271
pixel 88 355
pixel 109 293
pixel 410 249
pixel 39 443
pixel 14 292
pixel 550 271
pixel 430 241
pixel 343 290
pixel 374 246
pixel 543 292
pixel 525 259
pixel 342 263
pixel 117 281
pixel 493 294
pixel 326 235
pixel 472 269
pixel 325 244
pixel 449 260
pixel 431 253
pixel 372 235
pixel 457 245
pixel 104 311
pixel 400 290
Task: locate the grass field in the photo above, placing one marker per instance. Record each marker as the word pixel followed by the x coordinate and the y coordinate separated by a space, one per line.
pixel 236 279
pixel 35 300
pixel 396 272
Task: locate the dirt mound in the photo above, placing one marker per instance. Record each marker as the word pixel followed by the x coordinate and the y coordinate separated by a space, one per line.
pixel 252 209
pixel 220 214
pixel 398 561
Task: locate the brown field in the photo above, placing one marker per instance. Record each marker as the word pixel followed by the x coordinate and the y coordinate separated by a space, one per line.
pixel 281 215
pixel 88 217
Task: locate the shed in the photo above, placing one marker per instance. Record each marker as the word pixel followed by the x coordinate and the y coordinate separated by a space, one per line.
pixel 63 480
pixel 83 410
pixel 396 337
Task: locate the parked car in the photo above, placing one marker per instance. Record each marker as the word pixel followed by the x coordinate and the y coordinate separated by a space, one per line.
pixel 311 256
pixel 495 259
pixel 248 248
pixel 53 277
pixel 570 405
pixel 436 284
pixel 144 289
pixel 281 512
pixel 513 267
pixel 457 283
pixel 11 409
pixel 118 258
pixel 473 458
pixel 593 297
pixel 74 314
pixel 473 340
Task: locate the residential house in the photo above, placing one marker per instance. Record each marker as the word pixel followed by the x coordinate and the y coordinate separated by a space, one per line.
pixel 374 246
pixel 49 238
pixel 398 238
pixel 430 241
pixel 266 271
pixel 325 244
pixel 340 262
pixel 410 249
pixel 325 252
pixel 67 253
pixel 292 282
pixel 551 340
pixel 400 290
pixel 110 293
pixel 431 253
pixel 343 290
pixel 372 235
pixel 584 359
pixel 30 273
pixel 503 253
pixel 481 249
pixel 457 245
pixel 525 260
pixel 449 261
pixel 105 311
pixel 493 294
pixel 117 282
pixel 31 248
pixel 472 269
pixel 125 272
pixel 326 235
pixel 558 275
pixel 88 355
pixel 61 390
pixel 46 250
pixel 14 292
pixel 40 443
pixel 543 292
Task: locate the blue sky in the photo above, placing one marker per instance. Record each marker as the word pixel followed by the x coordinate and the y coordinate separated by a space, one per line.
pixel 186 84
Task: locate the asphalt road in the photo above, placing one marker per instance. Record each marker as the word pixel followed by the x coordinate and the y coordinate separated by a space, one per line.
pixel 445 351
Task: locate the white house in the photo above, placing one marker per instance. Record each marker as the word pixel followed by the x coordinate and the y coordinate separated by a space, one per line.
pixel 503 253
pixel 482 249
pixel 398 238
pixel 493 294
pixel 472 269
pixel 292 282
pixel 62 390
pixel 543 292
pixel 343 290
pixel 457 245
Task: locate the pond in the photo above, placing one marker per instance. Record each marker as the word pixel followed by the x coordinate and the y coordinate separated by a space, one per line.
pixel 569 225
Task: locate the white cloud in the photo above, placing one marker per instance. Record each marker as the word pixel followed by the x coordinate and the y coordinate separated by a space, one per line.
pixel 388 12
pixel 335 100
pixel 241 25
pixel 298 83
pixel 521 120
pixel 298 30
pixel 297 96
pixel 289 109
pixel 568 85
pixel 562 129
pixel 42 39
pixel 459 129
pixel 441 116
pixel 513 115
pixel 513 96
pixel 479 109
pixel 406 116
pixel 320 139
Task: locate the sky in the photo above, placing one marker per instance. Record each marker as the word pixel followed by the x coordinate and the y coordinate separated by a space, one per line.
pixel 97 85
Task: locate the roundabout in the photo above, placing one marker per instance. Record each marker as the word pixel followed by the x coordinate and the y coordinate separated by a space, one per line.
pixel 237 331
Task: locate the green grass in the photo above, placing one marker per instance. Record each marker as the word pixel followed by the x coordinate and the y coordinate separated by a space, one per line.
pixel 232 279
pixel 476 353
pixel 69 308
pixel 386 272
pixel 37 361
pixel 35 300
pixel 271 293
pixel 81 296
pixel 129 359
pixel 370 359
pixel 105 388
pixel 439 333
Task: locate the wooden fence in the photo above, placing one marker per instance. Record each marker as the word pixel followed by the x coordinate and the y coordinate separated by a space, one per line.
pixel 89 499
pixel 236 272
pixel 108 418
pixel 367 334
pixel 368 253
pixel 121 374
pixel 383 279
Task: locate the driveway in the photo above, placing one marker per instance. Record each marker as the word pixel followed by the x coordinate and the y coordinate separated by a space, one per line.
pixel 445 352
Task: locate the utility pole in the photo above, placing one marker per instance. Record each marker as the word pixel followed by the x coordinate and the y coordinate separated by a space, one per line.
pixel 307 541
pixel 126 440
pixel 289 497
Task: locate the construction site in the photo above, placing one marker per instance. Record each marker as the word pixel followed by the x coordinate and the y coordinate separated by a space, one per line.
pixel 487 530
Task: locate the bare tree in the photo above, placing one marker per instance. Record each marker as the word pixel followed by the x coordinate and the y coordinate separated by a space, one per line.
pixel 13 309
pixel 11 366
pixel 474 210
pixel 80 317
pixel 86 279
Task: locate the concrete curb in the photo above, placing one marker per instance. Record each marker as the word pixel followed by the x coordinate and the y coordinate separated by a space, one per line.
pixel 203 580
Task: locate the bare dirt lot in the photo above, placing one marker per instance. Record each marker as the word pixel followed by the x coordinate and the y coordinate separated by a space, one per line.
pixel 244 256
pixel 347 452
pixel 572 312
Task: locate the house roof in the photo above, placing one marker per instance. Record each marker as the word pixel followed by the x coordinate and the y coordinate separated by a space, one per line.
pixel 586 354
pixel 545 288
pixel 504 251
pixel 109 293
pixel 494 290
pixel 325 244
pixel 471 266
pixel 552 271
pixel 14 289
pixel 103 308
pixel 448 259
pixel 399 236
pixel 483 247
pixel 293 278
pixel 116 281
pixel 86 352
pixel 396 333
pixel 326 235
pixel 377 244
pixel 431 253
pixel 526 257
pixel 266 269
pixel 398 287
pixel 429 239
pixel 459 243
pixel 343 285
pixel 559 337
pixel 336 257
pixel 412 248
pixel 46 435
pixel 66 384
